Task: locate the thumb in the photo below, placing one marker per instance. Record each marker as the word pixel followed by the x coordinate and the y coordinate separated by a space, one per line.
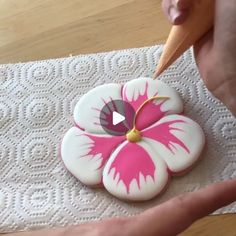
pixel 177 214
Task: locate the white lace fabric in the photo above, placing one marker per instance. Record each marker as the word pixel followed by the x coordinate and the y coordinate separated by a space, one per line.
pixel 36 106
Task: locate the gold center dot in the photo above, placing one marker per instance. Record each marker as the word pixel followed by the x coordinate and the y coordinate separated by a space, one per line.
pixel 134 136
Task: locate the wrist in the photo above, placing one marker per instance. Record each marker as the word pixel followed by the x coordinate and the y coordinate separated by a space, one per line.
pixel 227 94
pixel 220 79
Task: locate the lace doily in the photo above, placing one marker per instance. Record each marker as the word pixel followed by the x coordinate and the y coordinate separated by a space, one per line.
pixel 36 105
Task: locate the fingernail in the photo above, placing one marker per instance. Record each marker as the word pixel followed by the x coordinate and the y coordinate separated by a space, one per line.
pixel 182 4
pixel 174 15
pixel 177 3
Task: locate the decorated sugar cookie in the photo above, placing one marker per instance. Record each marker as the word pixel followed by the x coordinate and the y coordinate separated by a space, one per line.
pixel 131 139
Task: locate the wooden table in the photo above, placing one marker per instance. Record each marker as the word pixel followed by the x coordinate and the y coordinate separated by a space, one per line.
pixel 34 30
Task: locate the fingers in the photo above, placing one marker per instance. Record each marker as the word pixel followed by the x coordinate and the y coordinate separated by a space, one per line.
pixel 176 10
pixel 183 4
pixel 179 213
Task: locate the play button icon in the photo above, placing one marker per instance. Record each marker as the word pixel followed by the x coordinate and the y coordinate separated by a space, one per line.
pixel 117 117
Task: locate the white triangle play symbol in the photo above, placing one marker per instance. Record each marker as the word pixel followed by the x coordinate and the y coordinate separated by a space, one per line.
pixel 117 118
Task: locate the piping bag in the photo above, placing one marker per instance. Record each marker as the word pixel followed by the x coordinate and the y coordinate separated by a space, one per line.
pixel 182 37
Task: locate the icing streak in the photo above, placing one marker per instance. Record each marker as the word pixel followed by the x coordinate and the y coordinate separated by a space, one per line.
pixel 132 161
pixel 150 113
pixel 162 133
pixel 103 146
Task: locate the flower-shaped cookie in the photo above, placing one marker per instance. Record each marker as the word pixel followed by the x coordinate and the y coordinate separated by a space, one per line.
pixel 135 166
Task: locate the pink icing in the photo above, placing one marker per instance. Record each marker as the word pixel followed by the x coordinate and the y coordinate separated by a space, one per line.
pixel 154 113
pixel 162 133
pixel 150 113
pixel 104 146
pixel 131 161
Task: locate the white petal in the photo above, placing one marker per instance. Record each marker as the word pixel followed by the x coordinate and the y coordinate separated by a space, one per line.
pixel 84 156
pixel 87 110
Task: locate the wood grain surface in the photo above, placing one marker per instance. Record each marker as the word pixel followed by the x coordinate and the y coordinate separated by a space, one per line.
pixel 42 29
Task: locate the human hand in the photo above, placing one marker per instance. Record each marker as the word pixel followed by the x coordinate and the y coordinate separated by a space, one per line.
pixel 215 53
pixel 167 219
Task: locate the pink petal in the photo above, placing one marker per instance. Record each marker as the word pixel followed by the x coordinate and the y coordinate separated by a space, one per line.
pixel 85 154
pixel 132 169
pixel 178 140
pixel 136 92
pixel 129 168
